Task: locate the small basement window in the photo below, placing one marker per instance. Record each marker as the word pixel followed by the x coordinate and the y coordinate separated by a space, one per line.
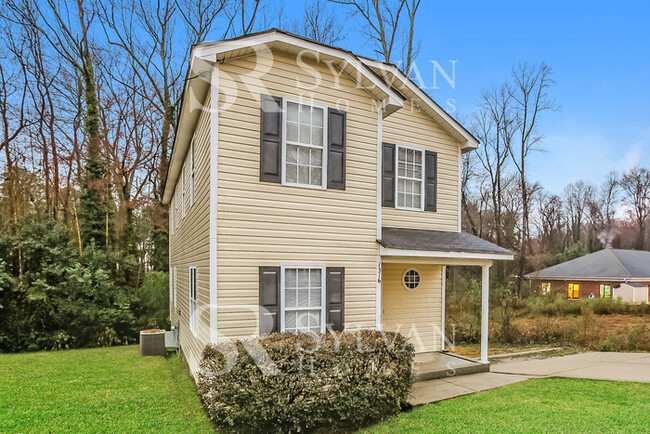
pixel 411 279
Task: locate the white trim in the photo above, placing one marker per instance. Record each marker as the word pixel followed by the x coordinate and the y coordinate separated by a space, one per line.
pixel 175 271
pixel 485 309
pixel 444 301
pixel 380 148
pixel 397 177
pixel 384 251
pixel 460 190
pixel 192 174
pixel 214 184
pixel 470 141
pixel 323 276
pixel 183 176
pixel 325 146
pixel 193 316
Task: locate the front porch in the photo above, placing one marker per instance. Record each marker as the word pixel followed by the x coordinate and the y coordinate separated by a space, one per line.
pixel 411 292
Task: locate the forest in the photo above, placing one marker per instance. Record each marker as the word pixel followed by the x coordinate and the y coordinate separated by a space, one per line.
pixel 89 99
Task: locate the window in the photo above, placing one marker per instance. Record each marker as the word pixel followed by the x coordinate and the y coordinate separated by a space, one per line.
pixel 303 299
pixel 192 174
pixel 304 151
pixel 193 300
pixel 574 291
pixel 175 275
pixel 411 279
pixel 606 291
pixel 183 192
pixel 546 288
pixel 410 178
pixel 172 214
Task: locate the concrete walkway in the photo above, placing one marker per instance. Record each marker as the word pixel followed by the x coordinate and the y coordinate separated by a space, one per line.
pixel 599 366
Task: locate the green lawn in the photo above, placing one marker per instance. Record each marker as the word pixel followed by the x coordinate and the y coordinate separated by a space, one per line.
pixel 543 405
pixel 97 390
pixel 116 390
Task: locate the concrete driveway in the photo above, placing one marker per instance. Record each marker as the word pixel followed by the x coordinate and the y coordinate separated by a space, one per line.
pixel 598 366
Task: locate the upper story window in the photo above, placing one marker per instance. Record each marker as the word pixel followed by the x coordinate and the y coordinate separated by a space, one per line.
pixel 183 173
pixel 410 178
pixel 192 174
pixel 304 153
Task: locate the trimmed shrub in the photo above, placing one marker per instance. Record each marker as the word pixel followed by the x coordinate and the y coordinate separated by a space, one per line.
pixel 287 382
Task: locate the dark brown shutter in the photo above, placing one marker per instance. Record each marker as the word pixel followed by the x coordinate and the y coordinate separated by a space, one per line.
pixel 269 300
pixel 431 181
pixel 336 149
pixel 270 139
pixel 335 296
pixel 388 175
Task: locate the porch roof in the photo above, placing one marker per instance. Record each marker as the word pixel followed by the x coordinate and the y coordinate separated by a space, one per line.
pixel 435 243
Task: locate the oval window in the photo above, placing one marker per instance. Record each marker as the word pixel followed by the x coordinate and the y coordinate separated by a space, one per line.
pixel 411 279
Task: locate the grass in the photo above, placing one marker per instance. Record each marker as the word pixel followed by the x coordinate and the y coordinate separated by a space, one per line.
pixel 97 390
pixel 541 405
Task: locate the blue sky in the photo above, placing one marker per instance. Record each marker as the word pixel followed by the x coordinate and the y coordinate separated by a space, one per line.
pixel 600 55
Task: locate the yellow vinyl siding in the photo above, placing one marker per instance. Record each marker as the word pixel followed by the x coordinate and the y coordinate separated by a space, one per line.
pixel 189 246
pixel 411 127
pixel 418 313
pixel 271 224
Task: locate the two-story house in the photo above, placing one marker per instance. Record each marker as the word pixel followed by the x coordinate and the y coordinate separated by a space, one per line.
pixel 310 188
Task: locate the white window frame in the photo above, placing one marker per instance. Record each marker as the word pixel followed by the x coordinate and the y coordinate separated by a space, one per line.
pixel 175 273
pixel 192 174
pixel 397 177
pixel 172 214
pixel 183 175
pixel 193 302
pixel 312 104
pixel 323 309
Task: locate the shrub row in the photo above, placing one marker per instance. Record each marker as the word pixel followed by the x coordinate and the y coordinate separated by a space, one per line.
pixel 288 382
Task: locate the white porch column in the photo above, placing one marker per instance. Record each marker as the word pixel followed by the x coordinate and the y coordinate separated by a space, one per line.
pixel 485 307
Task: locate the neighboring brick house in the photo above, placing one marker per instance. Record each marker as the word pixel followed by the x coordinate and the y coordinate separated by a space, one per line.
pixel 601 274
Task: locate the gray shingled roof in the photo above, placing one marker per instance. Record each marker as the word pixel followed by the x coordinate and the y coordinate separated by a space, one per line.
pixel 611 264
pixel 438 241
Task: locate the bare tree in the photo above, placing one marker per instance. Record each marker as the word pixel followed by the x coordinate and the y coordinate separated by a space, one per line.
pixel 411 48
pixel 551 218
pixel 494 126
pixel 529 92
pixel 381 23
pixel 636 186
pixel 319 23
pixel 577 198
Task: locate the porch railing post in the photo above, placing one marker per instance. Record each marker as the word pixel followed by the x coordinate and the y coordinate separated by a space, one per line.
pixel 485 307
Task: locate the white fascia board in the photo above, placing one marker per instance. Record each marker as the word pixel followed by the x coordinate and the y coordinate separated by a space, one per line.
pixel 197 84
pixel 209 51
pixel 589 279
pixel 384 251
pixel 469 141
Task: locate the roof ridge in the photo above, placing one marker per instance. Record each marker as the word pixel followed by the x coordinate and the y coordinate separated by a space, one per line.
pixel 619 262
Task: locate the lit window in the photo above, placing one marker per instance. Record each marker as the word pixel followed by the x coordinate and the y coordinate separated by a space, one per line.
pixel 410 178
pixel 193 298
pixel 411 279
pixel 304 150
pixel 303 306
pixel 546 288
pixel 574 291
pixel 606 291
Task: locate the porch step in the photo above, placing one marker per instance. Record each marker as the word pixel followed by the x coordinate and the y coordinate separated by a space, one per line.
pixel 434 365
